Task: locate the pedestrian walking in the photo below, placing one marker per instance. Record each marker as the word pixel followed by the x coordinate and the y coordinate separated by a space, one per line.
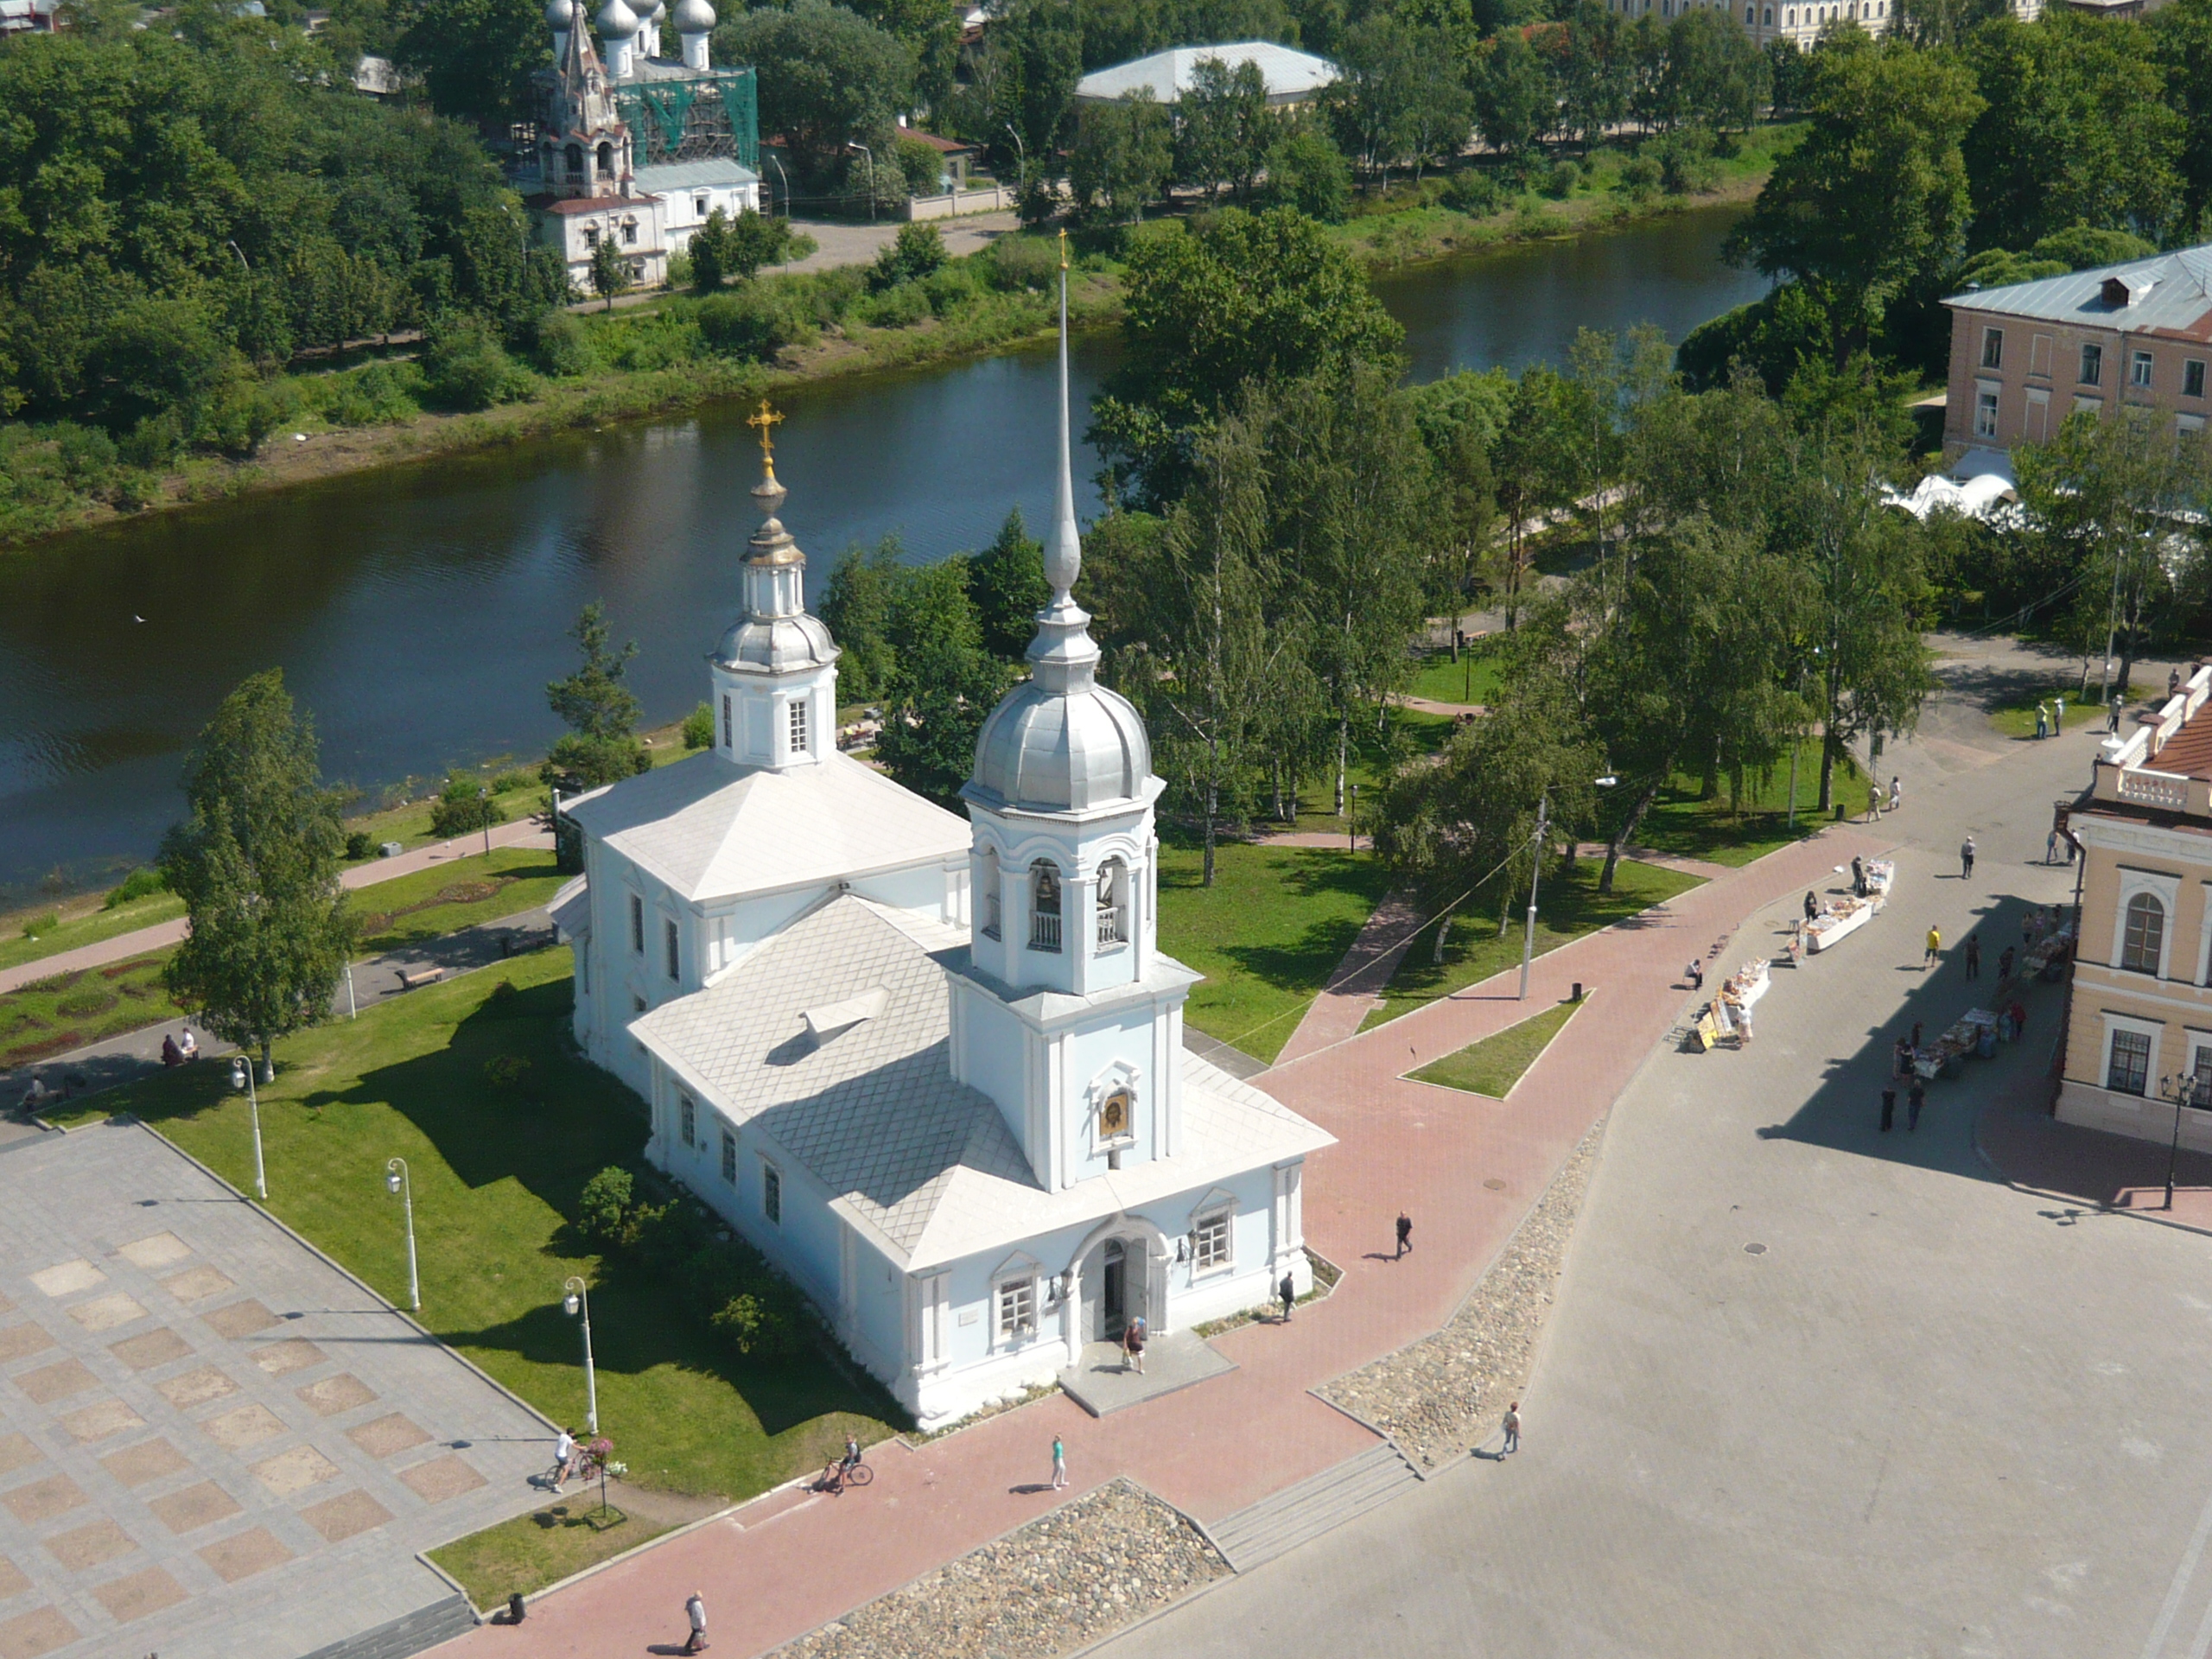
pixel 1512 1429
pixel 1873 801
pixel 695 1612
pixel 1914 1098
pixel 1858 876
pixel 1934 950
pixel 1974 955
pixel 1405 1233
pixel 1888 1107
pixel 1288 1293
pixel 2058 715
pixel 1059 1464
pixel 2111 717
pixel 1896 794
pixel 2050 847
pixel 2043 722
pixel 564 1458
pixel 1966 858
pixel 1133 1344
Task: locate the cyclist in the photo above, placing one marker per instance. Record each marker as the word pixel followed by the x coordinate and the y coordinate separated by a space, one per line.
pixel 852 1458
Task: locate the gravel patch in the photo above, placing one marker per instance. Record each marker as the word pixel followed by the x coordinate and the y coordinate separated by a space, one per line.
pixel 1066 1579
pixel 1445 1394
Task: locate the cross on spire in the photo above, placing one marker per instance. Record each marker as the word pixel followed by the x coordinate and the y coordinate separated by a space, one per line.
pixel 765 422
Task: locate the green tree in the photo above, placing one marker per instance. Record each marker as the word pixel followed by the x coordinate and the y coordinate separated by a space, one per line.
pixel 826 76
pixel 475 56
pixel 1591 70
pixel 2181 43
pixel 610 271
pixel 464 805
pixel 944 687
pixel 1307 172
pixel 856 609
pixel 1872 204
pixel 1007 583
pixel 1223 127
pixel 916 251
pixel 256 861
pixel 600 711
pixel 1124 152
pixel 2076 132
pixel 724 247
pixel 1241 297
pixel 1515 100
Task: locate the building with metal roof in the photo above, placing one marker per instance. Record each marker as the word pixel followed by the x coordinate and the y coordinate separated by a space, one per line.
pixel 1291 76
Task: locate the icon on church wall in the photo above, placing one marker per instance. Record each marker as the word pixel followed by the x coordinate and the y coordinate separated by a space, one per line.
pixel 1114 1116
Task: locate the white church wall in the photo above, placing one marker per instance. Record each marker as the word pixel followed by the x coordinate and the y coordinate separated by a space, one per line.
pixel 921 887
pixel 1099 1058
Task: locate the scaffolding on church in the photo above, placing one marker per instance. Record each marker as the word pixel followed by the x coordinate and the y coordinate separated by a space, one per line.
pixel 693 117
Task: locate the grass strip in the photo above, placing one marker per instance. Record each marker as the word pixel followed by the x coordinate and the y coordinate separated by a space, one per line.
pixel 1493 1065
pixel 523 1555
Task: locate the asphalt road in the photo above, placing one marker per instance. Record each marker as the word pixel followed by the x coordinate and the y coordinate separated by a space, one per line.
pixel 1931 1416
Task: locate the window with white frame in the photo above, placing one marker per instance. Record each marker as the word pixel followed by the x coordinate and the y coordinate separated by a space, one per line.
pixel 2143 938
pixel 1209 1243
pixel 2139 370
pixel 1985 415
pixel 699 206
pixel 1017 1309
pixel 687 1120
pixel 671 940
pixel 1992 348
pixel 2192 378
pixel 636 925
pixel 2127 1067
pixel 2093 365
pixel 798 727
pixel 771 1193
pixel 729 1158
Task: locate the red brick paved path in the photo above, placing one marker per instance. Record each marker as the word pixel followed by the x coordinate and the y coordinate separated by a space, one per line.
pixel 789 1562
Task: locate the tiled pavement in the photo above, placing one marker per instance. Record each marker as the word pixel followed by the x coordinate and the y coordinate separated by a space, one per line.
pixel 212 1442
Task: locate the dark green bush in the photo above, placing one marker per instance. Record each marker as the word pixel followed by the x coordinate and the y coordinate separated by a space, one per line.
pixel 1472 192
pixel 894 308
pixel 505 1072
pixel 463 805
pixel 917 252
pixel 952 288
pixel 1638 177
pixel 564 346
pixel 139 884
pixel 921 166
pixel 377 394
pixel 1560 182
pixel 358 844
pixel 86 454
pixel 1308 172
pixel 742 1297
pixel 1021 264
pixel 1685 158
pixel 603 1205
pixel 464 365
pixel 699 728
pixel 755 321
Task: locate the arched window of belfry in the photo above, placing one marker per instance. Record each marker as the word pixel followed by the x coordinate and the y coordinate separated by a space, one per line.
pixel 1043 905
pixel 991 894
pixel 1113 903
pixel 607 161
pixel 574 157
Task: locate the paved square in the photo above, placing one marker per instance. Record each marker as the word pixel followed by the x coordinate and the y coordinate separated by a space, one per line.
pixel 212 1444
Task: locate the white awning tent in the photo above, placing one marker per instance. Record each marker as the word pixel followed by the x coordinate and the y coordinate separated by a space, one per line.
pixel 1981 485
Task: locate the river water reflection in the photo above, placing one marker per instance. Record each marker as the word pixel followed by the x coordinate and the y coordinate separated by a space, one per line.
pixel 419 611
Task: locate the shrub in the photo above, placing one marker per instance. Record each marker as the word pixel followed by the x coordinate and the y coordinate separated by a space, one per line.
pixel 755 322
pixel 564 345
pixel 1307 172
pixel 1686 163
pixel 358 844
pixel 920 165
pixel 137 885
pixel 1560 182
pixel 603 1205
pixel 1638 178
pixel 896 308
pixel 464 804
pixel 1021 264
pixel 513 779
pixel 699 728
pixel 950 289
pixel 828 295
pixel 1473 191
pixel 917 252
pixel 86 454
pixel 377 394
pixel 505 1071
pixel 245 414
pixel 502 992
pixel 35 925
pixel 153 443
pixel 464 365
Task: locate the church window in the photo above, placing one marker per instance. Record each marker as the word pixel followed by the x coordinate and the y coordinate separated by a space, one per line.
pixel 671 938
pixel 687 1115
pixel 607 161
pixel 1017 1309
pixel 2145 939
pixel 575 157
pixel 1044 906
pixel 591 236
pixel 729 740
pixel 991 893
pixel 771 1194
pixel 636 925
pixel 798 727
pixel 729 1158
pixel 629 230
pixel 699 207
pixel 1113 903
pixel 1209 1243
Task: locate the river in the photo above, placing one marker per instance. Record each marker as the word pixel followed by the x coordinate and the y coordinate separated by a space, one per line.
pixel 419 611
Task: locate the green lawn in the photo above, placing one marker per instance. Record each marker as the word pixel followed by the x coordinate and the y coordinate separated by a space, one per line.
pixel 53 1015
pixel 2018 719
pixel 430 904
pixel 1473 678
pixel 496 1176
pixel 1493 1065
pixel 1267 934
pixel 532 1551
pixel 83 922
pixel 1722 833
pixel 1566 910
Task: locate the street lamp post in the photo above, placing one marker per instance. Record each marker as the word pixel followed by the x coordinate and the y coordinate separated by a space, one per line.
pixel 1352 823
pixel 578 1304
pixel 2182 1089
pixel 870 154
pixel 484 795
pixel 242 1077
pixel 1535 874
pixel 1022 150
pixel 395 1180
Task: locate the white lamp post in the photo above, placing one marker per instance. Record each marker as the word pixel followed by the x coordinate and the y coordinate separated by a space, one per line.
pixel 242 1077
pixel 397 1181
pixel 1535 871
pixel 578 1304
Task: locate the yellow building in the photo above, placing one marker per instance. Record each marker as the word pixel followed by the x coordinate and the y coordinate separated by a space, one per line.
pixel 2140 1016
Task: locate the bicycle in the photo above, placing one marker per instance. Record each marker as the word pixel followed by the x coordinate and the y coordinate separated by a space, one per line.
pixel 840 1474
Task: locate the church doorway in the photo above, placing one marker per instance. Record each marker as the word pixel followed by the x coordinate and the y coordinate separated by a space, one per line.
pixel 1115 1289
pixel 1113 1301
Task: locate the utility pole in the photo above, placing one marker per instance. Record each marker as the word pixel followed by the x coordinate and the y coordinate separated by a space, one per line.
pixel 1535 874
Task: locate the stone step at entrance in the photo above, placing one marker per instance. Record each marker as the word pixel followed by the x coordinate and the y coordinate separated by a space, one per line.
pixel 1317 1504
pixel 409 1634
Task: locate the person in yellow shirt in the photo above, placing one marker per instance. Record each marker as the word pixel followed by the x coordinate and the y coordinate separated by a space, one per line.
pixel 1935 949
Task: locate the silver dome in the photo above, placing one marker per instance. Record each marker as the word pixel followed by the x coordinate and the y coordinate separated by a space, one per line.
pixel 617 22
pixel 1044 750
pixel 560 15
pixel 772 645
pixel 694 17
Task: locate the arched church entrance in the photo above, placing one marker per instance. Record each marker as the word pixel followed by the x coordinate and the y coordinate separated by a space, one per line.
pixel 1117 1287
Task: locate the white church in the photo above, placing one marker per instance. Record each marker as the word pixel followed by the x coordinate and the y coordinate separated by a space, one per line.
pixel 934 1070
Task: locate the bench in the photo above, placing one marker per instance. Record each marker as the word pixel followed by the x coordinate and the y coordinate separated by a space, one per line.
pixel 415 978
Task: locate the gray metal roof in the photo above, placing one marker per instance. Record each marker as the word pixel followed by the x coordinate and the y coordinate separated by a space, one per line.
pixel 693 175
pixel 1288 72
pixel 2177 297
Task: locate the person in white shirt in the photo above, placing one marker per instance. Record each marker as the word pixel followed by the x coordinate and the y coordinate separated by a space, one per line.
pixel 696 1611
pixel 564 1458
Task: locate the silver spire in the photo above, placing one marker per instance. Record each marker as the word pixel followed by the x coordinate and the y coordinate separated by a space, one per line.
pixel 1063 655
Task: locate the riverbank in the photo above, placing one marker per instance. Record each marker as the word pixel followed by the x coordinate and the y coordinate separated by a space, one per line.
pixel 645 361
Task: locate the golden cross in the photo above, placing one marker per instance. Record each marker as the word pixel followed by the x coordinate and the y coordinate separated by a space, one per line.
pixel 765 422
pixel 1063 247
